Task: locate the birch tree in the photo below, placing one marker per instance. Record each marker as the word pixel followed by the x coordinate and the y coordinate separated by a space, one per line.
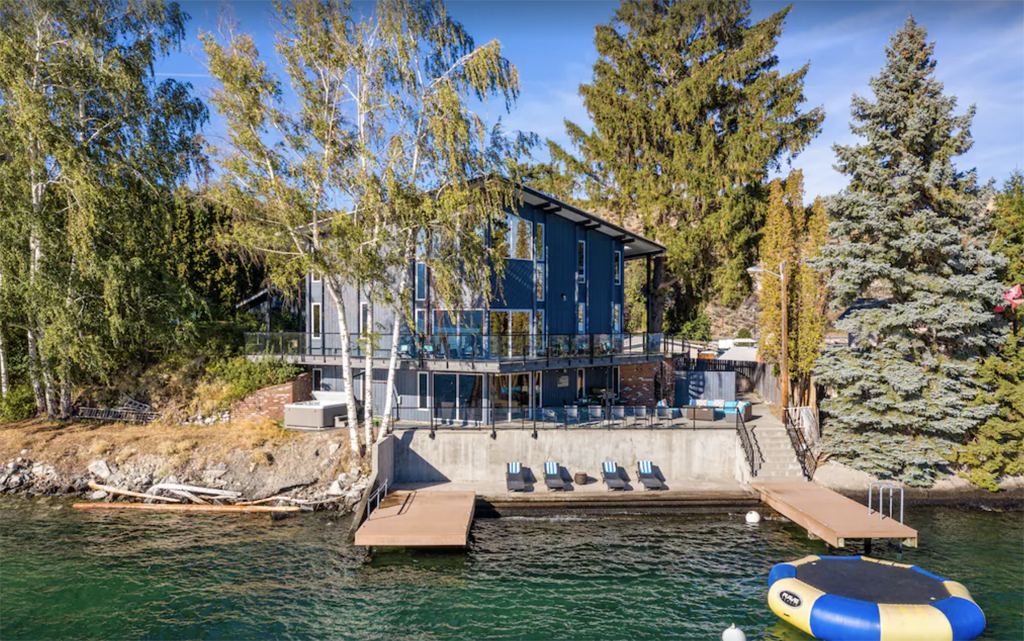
pixel 100 145
pixel 381 150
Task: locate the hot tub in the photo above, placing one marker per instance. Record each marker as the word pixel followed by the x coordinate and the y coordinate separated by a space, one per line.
pixel 318 414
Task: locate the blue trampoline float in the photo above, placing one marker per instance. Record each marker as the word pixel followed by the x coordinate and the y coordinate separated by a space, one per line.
pixel 856 598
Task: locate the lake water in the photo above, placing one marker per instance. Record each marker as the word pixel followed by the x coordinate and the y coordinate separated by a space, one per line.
pixel 159 576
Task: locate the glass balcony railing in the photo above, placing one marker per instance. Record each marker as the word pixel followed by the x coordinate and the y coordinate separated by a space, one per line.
pixel 456 347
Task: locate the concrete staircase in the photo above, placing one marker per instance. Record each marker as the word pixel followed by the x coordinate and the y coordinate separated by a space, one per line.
pixel 780 462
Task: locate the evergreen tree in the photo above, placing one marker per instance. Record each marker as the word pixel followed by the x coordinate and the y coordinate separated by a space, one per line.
pixel 997 448
pixel 911 223
pixel 793 233
pixel 690 113
pixel 1008 220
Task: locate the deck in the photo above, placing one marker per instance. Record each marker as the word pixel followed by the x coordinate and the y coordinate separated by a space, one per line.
pixel 829 515
pixel 419 519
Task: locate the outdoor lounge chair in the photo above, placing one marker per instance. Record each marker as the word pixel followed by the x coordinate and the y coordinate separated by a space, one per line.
pixel 552 476
pixel 618 415
pixel 610 475
pixel 514 480
pixel 645 472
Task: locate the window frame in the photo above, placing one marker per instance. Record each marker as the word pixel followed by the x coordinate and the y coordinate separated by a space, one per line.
pixel 316 329
pixel 581 383
pixel 416 281
pixel 581 261
pixel 317 381
pixel 423 390
pixel 616 380
pixel 616 318
pixel 364 308
pixel 540 284
pixel 618 267
pixel 581 318
pixel 538 241
pixel 313 278
pixel 420 312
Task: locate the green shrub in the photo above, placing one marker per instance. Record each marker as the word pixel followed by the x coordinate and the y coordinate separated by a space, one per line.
pixel 245 377
pixel 18 405
pixel 744 333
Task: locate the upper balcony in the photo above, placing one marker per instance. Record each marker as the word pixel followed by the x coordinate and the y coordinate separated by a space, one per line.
pixel 495 352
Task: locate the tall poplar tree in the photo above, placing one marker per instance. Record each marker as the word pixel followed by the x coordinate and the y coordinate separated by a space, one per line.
pixel 690 114
pixel 911 223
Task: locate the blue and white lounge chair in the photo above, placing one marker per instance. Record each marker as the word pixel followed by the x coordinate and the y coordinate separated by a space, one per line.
pixel 610 474
pixel 552 476
pixel 645 472
pixel 514 480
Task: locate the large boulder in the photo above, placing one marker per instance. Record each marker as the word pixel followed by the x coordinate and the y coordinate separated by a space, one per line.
pixel 100 469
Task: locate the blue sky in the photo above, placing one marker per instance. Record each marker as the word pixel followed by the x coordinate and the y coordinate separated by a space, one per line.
pixel 979 50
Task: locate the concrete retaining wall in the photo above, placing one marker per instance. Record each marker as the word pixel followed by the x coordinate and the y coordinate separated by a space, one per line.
pixel 473 456
pixel 384 460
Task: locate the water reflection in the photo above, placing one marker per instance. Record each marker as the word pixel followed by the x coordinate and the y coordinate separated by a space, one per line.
pixel 92 575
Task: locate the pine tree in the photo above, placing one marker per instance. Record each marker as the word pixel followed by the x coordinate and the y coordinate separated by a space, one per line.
pixel 911 223
pixel 1008 220
pixel 690 113
pixel 812 303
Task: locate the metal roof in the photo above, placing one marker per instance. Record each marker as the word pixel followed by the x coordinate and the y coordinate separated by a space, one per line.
pixel 636 246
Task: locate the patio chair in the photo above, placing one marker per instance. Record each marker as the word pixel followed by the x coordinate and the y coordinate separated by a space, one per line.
pixel 595 414
pixel 640 414
pixel 663 415
pixel 610 475
pixel 549 415
pixel 572 415
pixel 645 472
pixel 618 415
pixel 552 476
pixel 514 480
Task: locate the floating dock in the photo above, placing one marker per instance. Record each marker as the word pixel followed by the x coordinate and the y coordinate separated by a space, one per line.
pixel 829 515
pixel 419 519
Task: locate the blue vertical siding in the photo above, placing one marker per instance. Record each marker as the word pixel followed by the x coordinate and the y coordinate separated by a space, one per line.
pixel 561 242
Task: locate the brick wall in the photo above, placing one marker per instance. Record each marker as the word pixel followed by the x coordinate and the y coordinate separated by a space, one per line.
pixel 270 401
pixel 637 383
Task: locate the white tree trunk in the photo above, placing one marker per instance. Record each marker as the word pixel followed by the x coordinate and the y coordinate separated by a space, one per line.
pixel 334 288
pixel 33 374
pixel 4 382
pixel 389 391
pixel 367 341
pixel 51 391
pixel 65 392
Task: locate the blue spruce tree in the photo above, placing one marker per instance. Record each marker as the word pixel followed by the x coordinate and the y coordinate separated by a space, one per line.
pixel 909 225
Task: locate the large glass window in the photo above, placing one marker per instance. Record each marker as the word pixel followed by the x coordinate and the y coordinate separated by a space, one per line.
pixel 618 268
pixel 421 321
pixel 520 333
pixel 616 318
pixel 580 390
pixel 318 379
pixel 445 395
pixel 538 270
pixel 581 318
pixel 581 261
pixel 471 397
pixel 499 333
pixel 523 240
pixel 538 251
pixel 501 235
pixel 421 281
pixel 364 319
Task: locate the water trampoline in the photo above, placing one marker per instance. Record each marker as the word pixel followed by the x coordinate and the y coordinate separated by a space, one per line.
pixel 856 598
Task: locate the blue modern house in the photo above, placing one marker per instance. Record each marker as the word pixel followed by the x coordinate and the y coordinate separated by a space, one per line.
pixel 552 334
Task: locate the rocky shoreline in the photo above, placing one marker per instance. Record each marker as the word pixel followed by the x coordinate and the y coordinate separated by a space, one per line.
pixel 311 470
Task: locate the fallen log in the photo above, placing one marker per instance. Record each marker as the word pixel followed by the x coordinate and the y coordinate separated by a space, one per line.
pixel 185 507
pixel 195 490
pixel 188 496
pixel 139 495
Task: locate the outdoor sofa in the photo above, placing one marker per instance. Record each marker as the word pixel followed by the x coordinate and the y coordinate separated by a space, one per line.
pixel 744 408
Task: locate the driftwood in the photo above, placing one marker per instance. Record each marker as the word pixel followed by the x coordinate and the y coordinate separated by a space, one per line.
pixel 139 495
pixel 228 494
pixel 159 507
pixel 292 500
pixel 187 495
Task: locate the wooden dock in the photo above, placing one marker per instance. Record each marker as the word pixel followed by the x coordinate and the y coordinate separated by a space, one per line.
pixel 419 519
pixel 829 515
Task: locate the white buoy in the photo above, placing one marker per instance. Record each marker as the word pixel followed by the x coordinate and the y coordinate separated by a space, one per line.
pixel 732 633
pixel 753 517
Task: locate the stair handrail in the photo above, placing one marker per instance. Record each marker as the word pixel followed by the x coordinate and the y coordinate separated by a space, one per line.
pixel 804 454
pixel 751 448
pixel 378 495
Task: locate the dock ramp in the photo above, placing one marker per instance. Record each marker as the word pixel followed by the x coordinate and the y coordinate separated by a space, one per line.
pixel 829 515
pixel 419 519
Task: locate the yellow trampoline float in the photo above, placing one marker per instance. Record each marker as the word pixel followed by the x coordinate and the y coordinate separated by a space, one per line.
pixel 857 598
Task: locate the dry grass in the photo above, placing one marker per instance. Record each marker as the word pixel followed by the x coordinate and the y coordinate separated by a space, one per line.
pixel 72 446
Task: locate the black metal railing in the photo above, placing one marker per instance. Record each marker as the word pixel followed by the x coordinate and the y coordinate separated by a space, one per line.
pixel 751 448
pixel 459 346
pixel 804 452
